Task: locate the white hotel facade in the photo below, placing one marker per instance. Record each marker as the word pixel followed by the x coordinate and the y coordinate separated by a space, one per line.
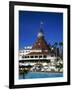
pixel 39 53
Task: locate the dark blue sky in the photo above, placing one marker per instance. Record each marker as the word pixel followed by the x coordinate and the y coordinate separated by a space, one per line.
pixel 29 26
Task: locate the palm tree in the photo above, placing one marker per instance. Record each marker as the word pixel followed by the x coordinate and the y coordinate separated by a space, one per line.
pixel 60 66
pixel 56 50
pixel 55 47
pixel 61 49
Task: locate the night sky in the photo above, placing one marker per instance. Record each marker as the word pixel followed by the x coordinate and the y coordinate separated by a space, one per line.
pixel 29 26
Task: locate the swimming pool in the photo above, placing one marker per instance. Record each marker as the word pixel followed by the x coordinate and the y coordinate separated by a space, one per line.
pixel 31 75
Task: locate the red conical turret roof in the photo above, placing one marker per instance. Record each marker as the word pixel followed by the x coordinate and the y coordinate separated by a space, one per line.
pixel 40 42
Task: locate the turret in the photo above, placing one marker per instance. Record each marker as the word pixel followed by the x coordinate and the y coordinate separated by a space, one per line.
pixel 40 33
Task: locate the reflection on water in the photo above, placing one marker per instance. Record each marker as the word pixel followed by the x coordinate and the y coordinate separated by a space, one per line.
pixel 31 75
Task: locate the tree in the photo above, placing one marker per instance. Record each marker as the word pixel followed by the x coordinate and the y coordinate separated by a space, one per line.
pixel 61 49
pixel 55 47
pixel 60 66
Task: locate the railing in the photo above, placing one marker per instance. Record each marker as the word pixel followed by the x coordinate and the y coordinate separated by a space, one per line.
pixel 37 58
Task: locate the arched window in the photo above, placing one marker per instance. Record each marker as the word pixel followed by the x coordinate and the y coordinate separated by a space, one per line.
pixel 44 56
pixel 36 56
pixel 31 56
pixel 40 56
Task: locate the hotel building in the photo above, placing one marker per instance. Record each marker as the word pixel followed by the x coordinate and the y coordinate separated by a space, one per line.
pixel 39 53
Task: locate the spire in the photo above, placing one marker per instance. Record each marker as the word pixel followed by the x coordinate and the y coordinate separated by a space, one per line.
pixel 41 24
pixel 40 33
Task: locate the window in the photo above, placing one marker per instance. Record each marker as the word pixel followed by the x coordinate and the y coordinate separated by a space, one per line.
pixel 36 56
pixel 44 56
pixel 40 56
pixel 31 56
pixel 52 55
pixel 27 56
pixel 23 56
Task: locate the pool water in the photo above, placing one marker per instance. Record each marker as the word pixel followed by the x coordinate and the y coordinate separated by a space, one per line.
pixel 31 75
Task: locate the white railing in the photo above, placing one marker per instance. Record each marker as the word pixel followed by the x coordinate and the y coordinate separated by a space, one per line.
pixel 37 58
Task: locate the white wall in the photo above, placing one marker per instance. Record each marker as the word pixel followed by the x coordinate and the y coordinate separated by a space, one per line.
pixel 4 44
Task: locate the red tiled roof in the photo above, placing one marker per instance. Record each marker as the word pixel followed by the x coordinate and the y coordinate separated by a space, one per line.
pixel 41 44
